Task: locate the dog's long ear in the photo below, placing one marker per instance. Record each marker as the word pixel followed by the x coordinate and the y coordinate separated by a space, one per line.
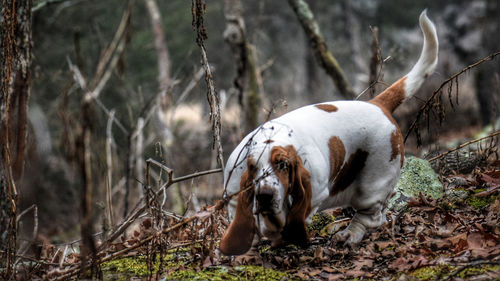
pixel 239 236
pixel 300 190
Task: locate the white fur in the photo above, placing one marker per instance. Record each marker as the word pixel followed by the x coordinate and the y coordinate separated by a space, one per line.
pixel 428 58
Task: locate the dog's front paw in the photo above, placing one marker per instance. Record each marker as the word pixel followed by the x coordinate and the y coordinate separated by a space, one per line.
pixel 351 235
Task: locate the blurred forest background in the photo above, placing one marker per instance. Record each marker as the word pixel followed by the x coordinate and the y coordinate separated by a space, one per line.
pixel 137 66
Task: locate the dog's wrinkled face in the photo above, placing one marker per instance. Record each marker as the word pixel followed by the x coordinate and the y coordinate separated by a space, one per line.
pixel 275 200
pixel 272 185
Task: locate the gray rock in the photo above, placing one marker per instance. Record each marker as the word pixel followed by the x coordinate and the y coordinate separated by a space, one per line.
pixel 416 176
pixel 454 196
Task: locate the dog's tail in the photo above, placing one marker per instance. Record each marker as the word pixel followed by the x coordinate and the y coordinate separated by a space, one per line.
pixel 406 87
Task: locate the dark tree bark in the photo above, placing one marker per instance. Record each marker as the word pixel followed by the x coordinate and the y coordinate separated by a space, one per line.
pixel 246 81
pixel 15 61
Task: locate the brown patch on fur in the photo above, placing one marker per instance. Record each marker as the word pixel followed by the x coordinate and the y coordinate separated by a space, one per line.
pixel 337 156
pixel 327 107
pixel 349 171
pixel 289 168
pixel 396 137
pixel 268 141
pixel 392 97
pixel 397 146
pixel 239 236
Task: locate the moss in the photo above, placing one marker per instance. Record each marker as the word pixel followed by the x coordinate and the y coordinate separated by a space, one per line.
pixel 265 249
pixel 441 271
pixel 432 272
pixel 474 271
pixel 224 273
pixel 479 202
pixel 320 221
pixel 137 266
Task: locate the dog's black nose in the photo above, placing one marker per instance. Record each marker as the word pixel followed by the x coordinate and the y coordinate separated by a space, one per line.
pixel 264 199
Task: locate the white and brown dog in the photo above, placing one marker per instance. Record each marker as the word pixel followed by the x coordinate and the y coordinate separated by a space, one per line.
pixel 333 154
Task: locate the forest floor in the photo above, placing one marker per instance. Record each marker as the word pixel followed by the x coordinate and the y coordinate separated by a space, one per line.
pixel 456 237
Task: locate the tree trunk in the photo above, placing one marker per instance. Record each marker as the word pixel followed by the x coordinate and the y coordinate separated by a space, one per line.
pixel 161 51
pixel 247 77
pixel 15 61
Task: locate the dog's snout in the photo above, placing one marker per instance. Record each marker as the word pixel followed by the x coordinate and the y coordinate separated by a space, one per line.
pixel 264 199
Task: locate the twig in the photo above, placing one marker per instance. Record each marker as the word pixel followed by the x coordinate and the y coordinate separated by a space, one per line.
pixel 135 214
pixel 197 174
pixel 63 275
pixel 22 257
pixel 77 240
pixel 61 262
pixel 169 171
pixel 75 270
pixel 24 212
pixel 377 81
pixel 428 104
pixel 139 150
pixel 109 164
pixel 108 113
pixel 106 60
pixel 35 227
pixel 198 11
pixel 190 86
pixel 463 145
pixel 375 60
pixel 42 4
pixel 105 77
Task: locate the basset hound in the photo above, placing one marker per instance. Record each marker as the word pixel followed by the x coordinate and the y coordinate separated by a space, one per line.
pixel 332 154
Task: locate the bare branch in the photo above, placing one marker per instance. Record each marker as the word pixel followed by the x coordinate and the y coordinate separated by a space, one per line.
pixel 318 45
pixel 109 164
pixel 427 106
pixel 375 61
pixel 463 145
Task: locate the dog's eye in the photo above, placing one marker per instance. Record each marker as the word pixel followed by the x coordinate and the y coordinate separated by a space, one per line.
pixel 281 165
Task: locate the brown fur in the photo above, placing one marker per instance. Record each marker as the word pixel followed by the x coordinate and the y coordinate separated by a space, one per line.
pixel 396 137
pixel 397 146
pixel 239 236
pixel 296 181
pixel 392 97
pixel 337 156
pixel 327 107
pixel 349 171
